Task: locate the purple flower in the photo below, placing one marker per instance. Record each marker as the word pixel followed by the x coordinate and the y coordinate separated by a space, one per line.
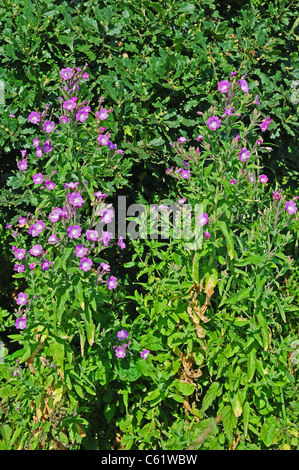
pixel 71 185
pixel 21 323
pixel 111 145
pixel 50 185
pixel 120 352
pixel 223 86
pixel 102 114
pixel 69 105
pixel 66 73
pixel 100 195
pixel 76 199
pixel 277 195
pixel 291 207
pixel 121 243
pixel 38 178
pixel 185 173
pixel 82 114
pixel 47 146
pixel 64 119
pixel 182 139
pixel 244 86
pixel 36 228
pixel 207 234
pixel 22 221
pixel 53 239
pixel 34 117
pixel 144 354
pixel 105 266
pixel 203 219
pixel 265 124
pixel 112 282
pixel 39 152
pixel 263 178
pixel 22 165
pixel 230 111
pixel 213 122
pixel 20 253
pixel 107 215
pixel 256 100
pixel 85 264
pixel 103 139
pixel 81 251
pixel 122 334
pixel 31 265
pixel 22 299
pixel 45 265
pixel 35 142
pixel 181 200
pixel 233 181
pixel 20 268
pixel 106 237
pixel 55 215
pixel 244 154
pixel 36 250
pixel 199 137
pixel 49 127
pixel 74 231
pixel 92 235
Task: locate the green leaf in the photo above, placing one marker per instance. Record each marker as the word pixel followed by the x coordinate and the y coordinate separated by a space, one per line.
pixel 6 432
pixel 237 405
pixel 210 395
pixel 264 328
pixel 234 299
pixel 251 365
pixel 57 349
pixel 229 422
pixel 253 259
pixel 246 416
pixel 267 432
pixel 62 296
pixel 109 411
pixel 228 235
pixel 281 311
pixel 185 389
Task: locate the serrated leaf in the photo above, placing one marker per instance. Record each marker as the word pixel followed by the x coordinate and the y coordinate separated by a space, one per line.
pixel 229 422
pixel 210 395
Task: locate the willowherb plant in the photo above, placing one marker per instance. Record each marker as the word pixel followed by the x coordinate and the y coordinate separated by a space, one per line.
pixel 58 249
pixel 210 312
pixel 217 303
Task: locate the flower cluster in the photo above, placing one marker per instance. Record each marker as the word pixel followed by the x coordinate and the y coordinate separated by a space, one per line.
pixel 240 149
pixel 121 350
pixel 63 225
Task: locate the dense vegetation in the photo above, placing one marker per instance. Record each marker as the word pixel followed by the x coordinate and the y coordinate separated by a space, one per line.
pixel 186 109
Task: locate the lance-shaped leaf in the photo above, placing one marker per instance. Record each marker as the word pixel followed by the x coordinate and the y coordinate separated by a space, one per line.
pixel 229 237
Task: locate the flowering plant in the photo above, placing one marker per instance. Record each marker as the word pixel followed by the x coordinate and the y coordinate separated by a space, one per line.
pixel 207 291
pixel 213 288
pixel 66 280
